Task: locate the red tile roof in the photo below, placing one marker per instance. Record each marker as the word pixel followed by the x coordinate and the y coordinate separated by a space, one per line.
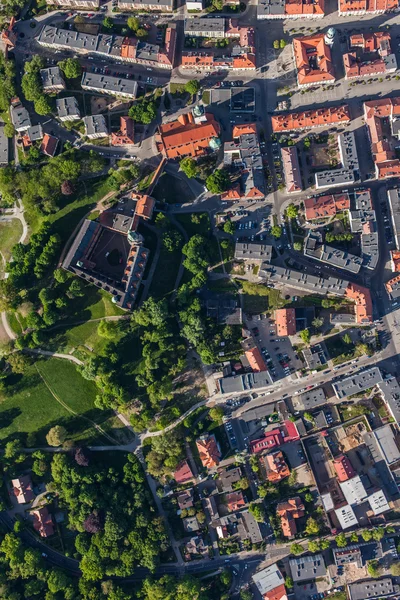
pixel 343 468
pixel 49 145
pixel 208 451
pixel 322 207
pixel 291 168
pixel 22 488
pixel 360 7
pixel 319 117
pixel 313 60
pixel 183 473
pixel 256 360
pixel 276 467
pixel 288 511
pixel 125 135
pixel 42 522
pixel 290 432
pixel 386 163
pixel 363 302
pixel 278 593
pixel 235 501
pixel 285 321
pixel 184 137
pixel 305 7
pixel 144 205
pixel 270 440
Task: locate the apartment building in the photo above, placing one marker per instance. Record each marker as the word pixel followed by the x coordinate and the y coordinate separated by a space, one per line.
pixel 290 9
pixel 75 4
pixel 112 86
pixel 313 60
pixel 184 137
pixel 382 118
pixel 52 80
pixel 145 5
pixel 310 119
pixel 367 7
pixel 291 169
pixel 95 126
pixel 68 109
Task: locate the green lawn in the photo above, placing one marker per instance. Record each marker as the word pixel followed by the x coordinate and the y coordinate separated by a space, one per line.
pixel 338 350
pixel 172 190
pixel 81 340
pixel 10 233
pixel 29 406
pixel 258 298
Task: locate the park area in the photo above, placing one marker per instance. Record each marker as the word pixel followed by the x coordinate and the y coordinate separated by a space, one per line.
pixel 258 298
pixel 172 190
pixel 10 233
pixel 52 392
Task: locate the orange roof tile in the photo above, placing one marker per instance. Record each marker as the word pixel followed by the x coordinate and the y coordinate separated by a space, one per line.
pixel 276 467
pixel 183 138
pixel 285 321
pixel 288 511
pixel 310 118
pixel 313 60
pixel 343 468
pixel 395 260
pixel 183 473
pixel 235 501
pixel 144 205
pixel 208 451
pixel 278 593
pixel 244 129
pixel 256 360
pixel 363 302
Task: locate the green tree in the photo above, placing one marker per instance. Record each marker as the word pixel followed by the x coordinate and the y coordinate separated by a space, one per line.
pixel 133 23
pixel 378 533
pixel 246 595
pixel 317 322
pixel 298 246
pixel 56 435
pixel 216 413
pixel 192 86
pixel 341 540
pixel 395 569
pixel 354 537
pixel 108 23
pixel 9 130
pixel 276 231
pixel 347 339
pixel 172 240
pixel 275 44
pixel 12 449
pixel 71 68
pixel 292 211
pixel 257 511
pixel 373 568
pixel 296 549
pixel 141 33
pixel 189 167
pixel 305 336
pixel 229 227
pixel 312 527
pixel 282 44
pixel 289 582
pixel 218 181
pixel 226 578
pixel 42 105
pixel 324 544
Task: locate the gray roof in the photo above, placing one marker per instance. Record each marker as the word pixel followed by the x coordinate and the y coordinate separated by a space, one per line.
pixel 307 567
pixel 250 528
pixel 268 579
pixel 363 200
pixel 387 444
pixel 342 318
pixel 391 393
pixel 226 477
pixel 166 3
pixel 391 65
pixel 110 85
pixel 270 8
pixel 35 133
pixel 353 490
pixel 370 249
pixel 67 38
pixel 357 383
pixel 197 25
pixel 349 170
pixel 20 117
pixel 372 588
pixel 348 150
pixel 304 281
pixel 242 99
pixel 394 203
pixel 312 358
pixel 333 256
pixel 395 289
pixel 51 77
pixel 3 146
pixel 381 452
pixel 67 107
pixel 310 399
pixel 146 51
pixel 248 381
pixel 253 251
pixel 95 124
pixel 333 177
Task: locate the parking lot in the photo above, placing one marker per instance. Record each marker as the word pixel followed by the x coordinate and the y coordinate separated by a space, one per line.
pixel 252 225
pixel 278 353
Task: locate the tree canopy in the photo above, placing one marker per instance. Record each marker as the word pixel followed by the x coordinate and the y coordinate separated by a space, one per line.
pixel 218 181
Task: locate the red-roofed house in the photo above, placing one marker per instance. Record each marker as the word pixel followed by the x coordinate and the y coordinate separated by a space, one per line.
pixel 343 468
pixel 289 432
pixel 235 501
pixel 271 439
pixel 288 511
pixel 209 451
pixel 256 360
pixel 125 135
pixel 323 207
pixel 291 167
pixel 183 473
pixel 49 145
pixel 363 302
pixel 365 7
pixel 278 593
pixel 22 488
pixel 308 119
pixel 313 60
pixel 43 522
pixel 144 205
pixel 395 260
pixel 275 466
pixel 285 319
pixel 184 137
pixel 381 118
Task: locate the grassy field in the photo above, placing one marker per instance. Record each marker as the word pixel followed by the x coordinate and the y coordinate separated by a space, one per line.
pixel 258 298
pixel 192 228
pixel 81 340
pixel 10 233
pixel 28 405
pixel 338 350
pixel 164 278
pixel 172 190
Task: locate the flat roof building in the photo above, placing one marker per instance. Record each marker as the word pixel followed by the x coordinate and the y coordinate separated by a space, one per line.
pixel 304 281
pixel 394 205
pixel 357 383
pixel 307 567
pixel 310 399
pixel 353 490
pixel 156 5
pixel 290 9
pixel 253 251
pixel 387 444
pixel 268 579
pixel 205 27
pixel 113 86
pixel 378 503
pixel 346 517
pixel 372 588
